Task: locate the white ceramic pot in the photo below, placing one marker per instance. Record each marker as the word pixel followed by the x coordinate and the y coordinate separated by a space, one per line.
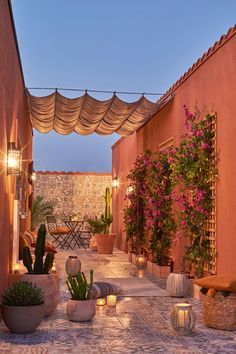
pixel 177 284
pixel 22 319
pixel 80 311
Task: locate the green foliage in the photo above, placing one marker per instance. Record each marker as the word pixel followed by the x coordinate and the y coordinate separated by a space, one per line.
pixel 41 265
pixel 40 210
pixel 79 287
pixel 102 225
pixel 23 294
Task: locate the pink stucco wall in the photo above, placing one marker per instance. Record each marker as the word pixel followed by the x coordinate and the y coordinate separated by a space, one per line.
pixel 210 85
pixel 15 126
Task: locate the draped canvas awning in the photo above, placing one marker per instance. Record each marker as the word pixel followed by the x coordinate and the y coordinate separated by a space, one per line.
pixel 86 115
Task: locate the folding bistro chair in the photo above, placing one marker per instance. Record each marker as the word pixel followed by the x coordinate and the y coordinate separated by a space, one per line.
pixel 60 234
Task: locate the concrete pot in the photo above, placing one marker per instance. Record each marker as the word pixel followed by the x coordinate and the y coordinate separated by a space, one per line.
pixel 80 311
pixel 149 266
pixel 177 284
pixel 105 243
pixel 49 283
pixel 22 319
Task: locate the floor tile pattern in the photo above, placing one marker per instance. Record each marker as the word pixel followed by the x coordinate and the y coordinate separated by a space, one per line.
pixel 136 325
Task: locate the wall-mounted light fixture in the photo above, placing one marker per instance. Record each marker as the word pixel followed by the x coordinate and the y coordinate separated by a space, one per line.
pixel 130 189
pixel 33 176
pixel 115 182
pixel 14 160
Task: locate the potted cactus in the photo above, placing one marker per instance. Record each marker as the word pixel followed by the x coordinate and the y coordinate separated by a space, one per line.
pixel 39 272
pixel 22 307
pixel 101 227
pixel 81 307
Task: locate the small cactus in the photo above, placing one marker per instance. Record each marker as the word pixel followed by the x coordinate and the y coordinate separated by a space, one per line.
pixel 79 287
pixel 23 294
pixel 40 266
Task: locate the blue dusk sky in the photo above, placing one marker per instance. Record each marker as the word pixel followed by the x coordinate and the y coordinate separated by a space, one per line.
pixel 126 45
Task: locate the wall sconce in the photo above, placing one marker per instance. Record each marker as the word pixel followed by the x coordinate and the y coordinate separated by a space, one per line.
pixel 33 176
pixel 115 182
pixel 14 159
pixel 183 318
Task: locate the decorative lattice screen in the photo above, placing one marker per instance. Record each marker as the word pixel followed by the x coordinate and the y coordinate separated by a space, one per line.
pixel 212 224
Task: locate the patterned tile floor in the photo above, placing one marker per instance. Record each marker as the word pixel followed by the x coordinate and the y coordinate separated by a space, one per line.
pixel 137 325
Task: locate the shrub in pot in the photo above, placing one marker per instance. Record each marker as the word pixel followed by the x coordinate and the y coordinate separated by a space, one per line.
pixel 81 307
pixel 101 227
pixel 39 272
pixel 22 307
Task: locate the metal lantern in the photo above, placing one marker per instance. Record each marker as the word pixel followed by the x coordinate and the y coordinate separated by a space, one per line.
pixel 183 318
pixel 73 265
pixel 141 261
pixel 14 159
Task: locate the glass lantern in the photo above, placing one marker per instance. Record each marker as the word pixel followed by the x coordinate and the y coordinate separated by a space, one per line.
pixel 183 318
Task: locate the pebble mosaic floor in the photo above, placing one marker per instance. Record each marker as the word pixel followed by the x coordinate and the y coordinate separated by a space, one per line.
pixel 136 325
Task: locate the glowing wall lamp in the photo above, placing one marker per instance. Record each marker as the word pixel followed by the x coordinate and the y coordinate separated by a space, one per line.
pixel 13 160
pixel 115 182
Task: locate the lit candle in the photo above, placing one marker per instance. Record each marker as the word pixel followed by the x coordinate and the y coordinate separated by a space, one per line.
pixel 111 300
pixel 183 314
pixel 141 261
pixel 16 269
pixel 101 302
pixel 53 269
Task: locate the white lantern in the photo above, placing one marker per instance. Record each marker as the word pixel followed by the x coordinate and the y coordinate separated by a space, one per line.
pixel 73 266
pixel 111 300
pixel 183 318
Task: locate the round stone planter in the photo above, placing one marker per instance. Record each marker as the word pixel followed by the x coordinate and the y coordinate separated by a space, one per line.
pixel 177 284
pixel 105 243
pixel 47 282
pixel 80 311
pixel 22 319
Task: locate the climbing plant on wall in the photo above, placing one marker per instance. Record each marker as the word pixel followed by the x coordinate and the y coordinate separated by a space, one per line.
pixel 193 169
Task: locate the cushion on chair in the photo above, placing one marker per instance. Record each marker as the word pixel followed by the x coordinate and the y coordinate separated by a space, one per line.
pixel 224 282
pixel 32 235
pixel 102 289
pixel 48 247
pixel 61 230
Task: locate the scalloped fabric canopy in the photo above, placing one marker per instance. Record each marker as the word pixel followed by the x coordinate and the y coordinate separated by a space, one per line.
pixel 86 115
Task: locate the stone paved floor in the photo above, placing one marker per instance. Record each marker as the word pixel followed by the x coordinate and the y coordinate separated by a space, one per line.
pixel 137 325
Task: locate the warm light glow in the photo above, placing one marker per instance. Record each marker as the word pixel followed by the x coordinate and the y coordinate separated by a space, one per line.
pixel 33 177
pixel 141 261
pixel 16 269
pixel 111 300
pixel 13 160
pixel 183 318
pixel 115 183
pixel 53 269
pixel 130 189
pixel 101 302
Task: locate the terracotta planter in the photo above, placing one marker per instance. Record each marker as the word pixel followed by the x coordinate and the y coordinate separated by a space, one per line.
pixel 80 311
pixel 73 265
pixel 47 282
pixel 133 258
pixel 177 284
pixel 161 271
pixel 105 243
pixel 149 266
pixel 93 243
pixel 22 319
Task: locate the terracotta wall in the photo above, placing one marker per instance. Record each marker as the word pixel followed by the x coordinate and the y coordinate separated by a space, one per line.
pixel 15 126
pixel 210 85
pixel 74 193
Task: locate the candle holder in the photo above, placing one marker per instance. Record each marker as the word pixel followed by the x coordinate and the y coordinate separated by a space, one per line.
pixel 141 261
pixel 111 300
pixel 183 318
pixel 101 302
pixel 16 269
pixel 53 269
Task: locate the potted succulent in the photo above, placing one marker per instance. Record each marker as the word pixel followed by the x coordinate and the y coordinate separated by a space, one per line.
pixel 81 307
pixel 39 272
pixel 22 307
pixel 101 227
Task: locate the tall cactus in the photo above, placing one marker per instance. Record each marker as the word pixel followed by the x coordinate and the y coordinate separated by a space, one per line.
pixel 107 217
pixel 40 266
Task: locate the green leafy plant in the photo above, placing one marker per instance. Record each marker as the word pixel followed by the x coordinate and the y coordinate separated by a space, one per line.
pixel 102 225
pixel 23 294
pixel 41 265
pixel 40 210
pixel 78 286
